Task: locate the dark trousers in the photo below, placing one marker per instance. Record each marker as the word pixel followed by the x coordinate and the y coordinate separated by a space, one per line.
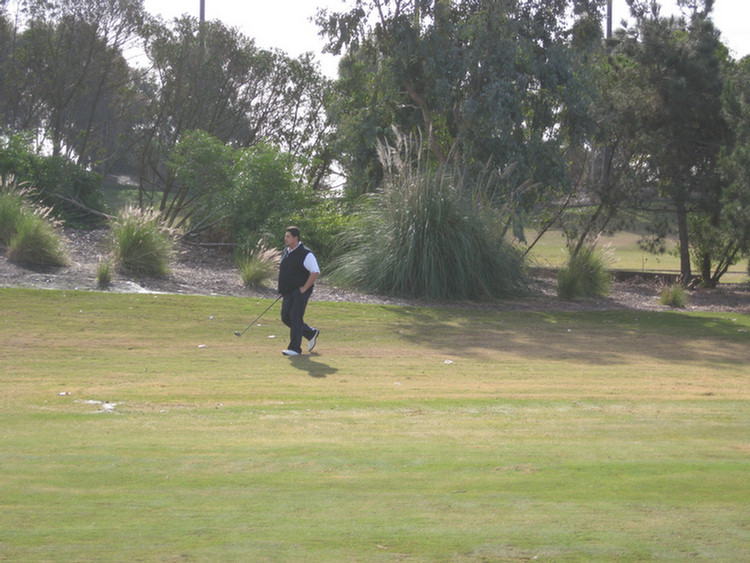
pixel 293 315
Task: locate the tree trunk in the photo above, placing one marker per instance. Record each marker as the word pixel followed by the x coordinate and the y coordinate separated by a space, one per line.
pixel 682 227
pixel 706 271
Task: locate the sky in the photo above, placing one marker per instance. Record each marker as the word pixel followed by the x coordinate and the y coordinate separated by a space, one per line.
pixel 287 25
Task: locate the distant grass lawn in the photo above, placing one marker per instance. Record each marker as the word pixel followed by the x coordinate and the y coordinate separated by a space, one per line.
pixel 139 428
pixel 624 254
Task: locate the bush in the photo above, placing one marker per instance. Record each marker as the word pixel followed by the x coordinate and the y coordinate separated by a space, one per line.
pixel 323 224
pixel 424 236
pixel 260 267
pixel 52 177
pixel 585 275
pixel 142 245
pixel 264 194
pixel 673 296
pixel 36 243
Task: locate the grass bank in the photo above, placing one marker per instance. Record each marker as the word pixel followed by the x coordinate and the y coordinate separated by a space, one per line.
pixel 623 253
pixel 139 428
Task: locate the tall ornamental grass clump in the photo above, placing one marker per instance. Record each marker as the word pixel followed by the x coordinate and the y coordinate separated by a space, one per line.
pixel 37 244
pixel 141 244
pixel 674 295
pixel 259 267
pixel 28 231
pixel 585 275
pixel 12 207
pixel 423 235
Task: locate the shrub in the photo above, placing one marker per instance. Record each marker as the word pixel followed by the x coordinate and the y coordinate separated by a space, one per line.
pixel 673 296
pixel 585 275
pixel 57 181
pixel 258 268
pixel 142 245
pixel 36 243
pixel 424 236
pixel 323 224
pixel 264 194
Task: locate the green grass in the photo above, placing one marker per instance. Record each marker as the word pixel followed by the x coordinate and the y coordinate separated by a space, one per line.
pixel 557 436
pixel 550 252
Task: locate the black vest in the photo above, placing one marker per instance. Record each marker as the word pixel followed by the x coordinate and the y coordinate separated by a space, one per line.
pixel 292 272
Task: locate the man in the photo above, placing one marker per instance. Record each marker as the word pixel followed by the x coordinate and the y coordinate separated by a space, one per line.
pixel 297 274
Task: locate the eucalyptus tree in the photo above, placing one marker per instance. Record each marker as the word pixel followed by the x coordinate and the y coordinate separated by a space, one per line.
pixel 7 88
pixel 735 206
pixel 211 78
pixel 483 81
pixel 68 79
pixel 678 63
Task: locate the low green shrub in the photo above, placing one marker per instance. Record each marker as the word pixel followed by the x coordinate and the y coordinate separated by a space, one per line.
pixel 36 243
pixel 141 244
pixel 57 181
pixel 674 296
pixel 260 267
pixel 585 275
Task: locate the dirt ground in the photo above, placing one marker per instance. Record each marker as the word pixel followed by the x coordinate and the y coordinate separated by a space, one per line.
pixel 201 270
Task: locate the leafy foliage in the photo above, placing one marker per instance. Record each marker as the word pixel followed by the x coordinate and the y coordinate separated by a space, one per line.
pixel 490 81
pixel 214 79
pixel 324 222
pixel 263 195
pixel 679 67
pixel 72 83
pixel 201 166
pixel 68 189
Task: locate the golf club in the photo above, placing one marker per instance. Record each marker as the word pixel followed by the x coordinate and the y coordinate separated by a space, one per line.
pixel 238 333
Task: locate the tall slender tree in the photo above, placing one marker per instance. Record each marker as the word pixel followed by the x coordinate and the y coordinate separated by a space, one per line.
pixel 680 64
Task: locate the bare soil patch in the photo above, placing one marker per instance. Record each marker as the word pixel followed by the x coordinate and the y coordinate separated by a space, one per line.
pixel 201 270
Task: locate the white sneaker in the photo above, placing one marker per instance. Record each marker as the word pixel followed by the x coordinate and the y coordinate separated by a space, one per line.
pixel 290 353
pixel 313 341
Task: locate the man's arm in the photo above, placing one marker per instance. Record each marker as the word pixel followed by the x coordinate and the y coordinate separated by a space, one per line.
pixel 310 281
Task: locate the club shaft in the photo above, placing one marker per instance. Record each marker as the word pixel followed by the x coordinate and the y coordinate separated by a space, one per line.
pixel 259 316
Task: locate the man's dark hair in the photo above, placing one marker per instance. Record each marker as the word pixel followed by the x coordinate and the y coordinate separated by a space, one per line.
pixel 294 231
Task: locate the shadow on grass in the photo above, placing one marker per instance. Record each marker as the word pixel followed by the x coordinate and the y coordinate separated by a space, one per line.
pixel 598 337
pixel 312 367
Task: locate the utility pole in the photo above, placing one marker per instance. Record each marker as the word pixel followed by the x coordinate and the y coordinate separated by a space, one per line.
pixel 609 18
pixel 203 10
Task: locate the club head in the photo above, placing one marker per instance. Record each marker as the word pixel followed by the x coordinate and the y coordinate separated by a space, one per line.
pixel 237 333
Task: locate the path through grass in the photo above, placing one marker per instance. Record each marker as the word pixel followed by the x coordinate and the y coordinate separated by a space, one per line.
pixel 139 428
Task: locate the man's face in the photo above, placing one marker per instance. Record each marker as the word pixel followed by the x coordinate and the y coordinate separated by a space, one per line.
pixel 290 241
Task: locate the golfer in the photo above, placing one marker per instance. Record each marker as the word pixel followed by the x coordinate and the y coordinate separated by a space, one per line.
pixel 297 274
